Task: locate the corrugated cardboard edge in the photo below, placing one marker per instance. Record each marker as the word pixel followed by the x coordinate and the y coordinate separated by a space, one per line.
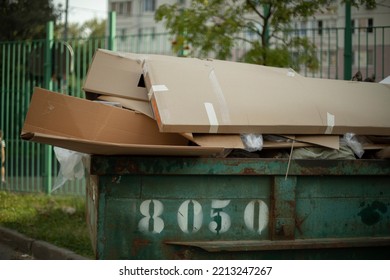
pixel 140 106
pixel 103 148
pixel 233 141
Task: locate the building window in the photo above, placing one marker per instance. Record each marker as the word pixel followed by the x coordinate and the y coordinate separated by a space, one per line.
pixel 123 34
pixel 113 6
pixel 149 5
pixel 363 58
pixel 147 32
pixel 370 25
pixel 329 58
pixel 320 25
pixel 122 8
pixel 129 8
pixel 363 25
pixel 303 28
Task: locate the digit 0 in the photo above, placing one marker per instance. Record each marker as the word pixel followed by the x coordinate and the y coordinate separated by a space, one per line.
pixel 256 215
pixel 190 216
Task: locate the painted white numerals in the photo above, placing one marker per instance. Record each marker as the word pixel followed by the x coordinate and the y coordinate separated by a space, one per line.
pixel 220 220
pixel 256 215
pixel 151 222
pixel 190 216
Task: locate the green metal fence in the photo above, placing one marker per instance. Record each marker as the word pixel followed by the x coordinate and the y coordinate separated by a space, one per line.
pixel 62 67
pixel 32 167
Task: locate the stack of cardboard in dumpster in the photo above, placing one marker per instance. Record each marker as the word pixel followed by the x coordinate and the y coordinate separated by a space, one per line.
pixel 189 106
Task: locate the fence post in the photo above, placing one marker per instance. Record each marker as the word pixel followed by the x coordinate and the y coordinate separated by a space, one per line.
pixel 111 31
pixel 347 42
pixel 48 84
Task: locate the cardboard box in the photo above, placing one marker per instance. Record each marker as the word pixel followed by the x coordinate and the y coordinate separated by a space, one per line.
pixel 116 74
pixel 89 127
pixel 211 96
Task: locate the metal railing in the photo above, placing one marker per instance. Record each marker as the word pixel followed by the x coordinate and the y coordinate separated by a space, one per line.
pixel 22 67
pixel 62 67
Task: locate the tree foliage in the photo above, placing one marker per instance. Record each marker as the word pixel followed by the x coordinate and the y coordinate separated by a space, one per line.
pixel 216 27
pixel 25 19
pixel 93 28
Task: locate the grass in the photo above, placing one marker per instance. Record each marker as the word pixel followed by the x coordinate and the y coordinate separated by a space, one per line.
pixel 59 220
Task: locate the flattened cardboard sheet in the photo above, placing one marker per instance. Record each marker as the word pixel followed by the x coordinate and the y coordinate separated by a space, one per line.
pixel 212 96
pixel 60 115
pixel 104 148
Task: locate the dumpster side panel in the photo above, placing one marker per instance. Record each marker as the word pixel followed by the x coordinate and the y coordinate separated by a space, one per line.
pixel 171 208
pixel 143 212
pixel 343 206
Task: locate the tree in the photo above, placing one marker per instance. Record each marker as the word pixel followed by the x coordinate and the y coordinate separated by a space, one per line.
pixel 25 19
pixel 216 26
pixel 93 28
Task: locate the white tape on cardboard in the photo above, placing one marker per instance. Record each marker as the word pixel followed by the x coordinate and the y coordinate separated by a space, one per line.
pixel 223 106
pixel 290 73
pixel 156 88
pixel 145 69
pixel 330 123
pixel 212 117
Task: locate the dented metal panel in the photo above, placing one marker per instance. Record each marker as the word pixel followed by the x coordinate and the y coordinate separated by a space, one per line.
pixel 207 208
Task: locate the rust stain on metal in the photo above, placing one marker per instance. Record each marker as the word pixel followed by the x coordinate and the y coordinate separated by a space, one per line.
pixel 248 171
pixel 299 222
pixel 138 244
pixel 291 203
pixel 185 254
pixel 124 166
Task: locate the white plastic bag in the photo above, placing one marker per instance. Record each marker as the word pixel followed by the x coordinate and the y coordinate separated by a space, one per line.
pixel 71 166
pixel 252 142
pixel 354 143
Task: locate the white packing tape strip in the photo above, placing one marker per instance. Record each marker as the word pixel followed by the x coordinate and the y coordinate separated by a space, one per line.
pixel 159 88
pixel 290 73
pixel 330 123
pixel 222 104
pixel 212 117
pixel 156 88
pixel 145 69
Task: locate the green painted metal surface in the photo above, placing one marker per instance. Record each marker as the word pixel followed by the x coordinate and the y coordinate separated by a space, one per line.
pixel 48 84
pixel 207 208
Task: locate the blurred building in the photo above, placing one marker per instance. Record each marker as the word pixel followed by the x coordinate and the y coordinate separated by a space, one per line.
pixel 138 32
pixel 370 39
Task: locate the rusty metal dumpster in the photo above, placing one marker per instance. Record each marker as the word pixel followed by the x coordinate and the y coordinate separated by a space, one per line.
pixel 235 208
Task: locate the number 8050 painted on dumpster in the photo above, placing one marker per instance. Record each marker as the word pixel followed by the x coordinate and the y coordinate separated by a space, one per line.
pixel 190 216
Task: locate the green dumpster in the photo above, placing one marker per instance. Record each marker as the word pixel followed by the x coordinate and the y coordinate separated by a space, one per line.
pixel 238 208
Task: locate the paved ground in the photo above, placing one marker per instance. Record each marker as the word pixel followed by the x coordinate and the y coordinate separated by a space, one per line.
pixel 16 246
pixel 8 253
